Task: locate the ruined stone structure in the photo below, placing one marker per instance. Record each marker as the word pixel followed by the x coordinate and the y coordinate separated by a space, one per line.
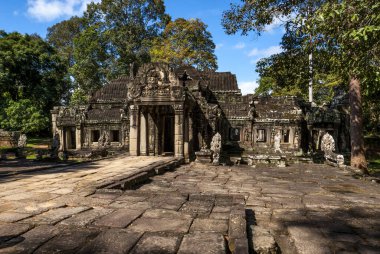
pixel 165 111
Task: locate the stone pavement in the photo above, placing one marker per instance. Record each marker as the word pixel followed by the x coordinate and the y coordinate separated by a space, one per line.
pixel 193 209
pixel 308 208
pixel 61 211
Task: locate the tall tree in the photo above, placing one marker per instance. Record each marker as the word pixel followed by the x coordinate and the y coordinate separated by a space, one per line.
pixel 31 73
pixel 287 73
pixel 185 42
pixel 116 34
pixel 347 29
pixel 61 36
pixel 351 29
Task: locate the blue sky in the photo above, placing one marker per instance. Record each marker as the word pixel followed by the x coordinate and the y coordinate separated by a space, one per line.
pixel 237 54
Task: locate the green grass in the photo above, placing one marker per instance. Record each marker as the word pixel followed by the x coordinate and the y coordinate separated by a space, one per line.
pixel 374 165
pixel 37 142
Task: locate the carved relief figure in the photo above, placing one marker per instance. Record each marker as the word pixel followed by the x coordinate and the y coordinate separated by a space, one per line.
pixel 22 141
pixel 216 146
pixel 277 142
pixel 327 143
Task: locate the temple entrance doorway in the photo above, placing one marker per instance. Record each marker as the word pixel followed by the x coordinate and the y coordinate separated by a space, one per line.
pixel 168 134
pixel 69 138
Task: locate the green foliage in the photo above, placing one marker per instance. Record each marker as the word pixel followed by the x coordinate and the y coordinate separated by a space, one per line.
pixel 185 42
pixel 32 81
pixel 79 97
pixel 24 116
pixel 115 35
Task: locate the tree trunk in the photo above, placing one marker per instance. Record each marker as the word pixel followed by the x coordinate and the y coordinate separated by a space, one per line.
pixel 358 159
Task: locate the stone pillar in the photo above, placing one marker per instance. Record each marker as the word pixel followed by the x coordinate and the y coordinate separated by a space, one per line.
pixel 133 131
pixel 61 139
pixel 191 137
pixel 186 139
pixel 54 123
pixel 291 136
pixel 143 134
pixel 178 131
pixel 78 138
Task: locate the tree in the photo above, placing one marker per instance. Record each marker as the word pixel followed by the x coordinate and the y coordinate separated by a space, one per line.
pixel 185 42
pixel 287 73
pixel 115 35
pixel 61 36
pixel 31 70
pixel 348 30
pixel 24 116
pixel 351 29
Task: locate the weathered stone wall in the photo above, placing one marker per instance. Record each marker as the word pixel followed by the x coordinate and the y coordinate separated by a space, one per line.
pixel 9 138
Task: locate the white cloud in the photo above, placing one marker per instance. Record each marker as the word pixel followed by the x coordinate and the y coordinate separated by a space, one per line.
pixel 277 22
pixel 247 87
pixel 240 45
pixel 265 52
pixel 48 10
pixel 219 46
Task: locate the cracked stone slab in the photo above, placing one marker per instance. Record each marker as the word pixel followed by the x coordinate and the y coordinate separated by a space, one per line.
pixel 145 224
pixel 11 230
pixel 69 241
pixel 87 217
pixel 13 216
pixel 112 241
pixel 119 219
pixel 31 240
pixel 54 216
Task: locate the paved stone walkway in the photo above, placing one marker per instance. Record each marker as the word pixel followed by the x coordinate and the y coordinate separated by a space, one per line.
pixel 309 209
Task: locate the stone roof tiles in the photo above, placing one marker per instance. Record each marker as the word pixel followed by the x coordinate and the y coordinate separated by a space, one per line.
pixel 115 90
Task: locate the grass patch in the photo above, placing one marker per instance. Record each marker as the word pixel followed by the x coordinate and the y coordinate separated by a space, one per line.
pixel 38 143
pixel 374 165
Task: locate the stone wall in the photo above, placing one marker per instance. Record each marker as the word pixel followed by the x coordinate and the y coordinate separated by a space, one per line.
pixel 9 138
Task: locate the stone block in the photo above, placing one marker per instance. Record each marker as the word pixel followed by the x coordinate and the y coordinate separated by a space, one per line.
pixel 13 216
pixel 54 216
pixel 87 217
pixel 112 241
pixel 69 241
pixel 9 231
pixel 145 224
pixel 205 243
pixel 262 241
pixel 118 219
pixel 210 225
pixel 31 240
pixel 157 243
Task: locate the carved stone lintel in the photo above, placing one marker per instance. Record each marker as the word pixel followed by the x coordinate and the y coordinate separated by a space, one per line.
pixel 178 108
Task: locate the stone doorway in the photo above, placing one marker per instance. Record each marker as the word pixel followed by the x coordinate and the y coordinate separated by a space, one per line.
pixel 70 141
pixel 168 135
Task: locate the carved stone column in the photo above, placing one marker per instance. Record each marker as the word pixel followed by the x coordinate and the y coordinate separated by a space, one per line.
pixel 178 131
pixel 61 139
pixel 186 138
pixel 143 134
pixel 133 131
pixel 78 137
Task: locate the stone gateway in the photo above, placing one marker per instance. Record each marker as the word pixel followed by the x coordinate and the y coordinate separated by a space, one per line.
pixel 164 111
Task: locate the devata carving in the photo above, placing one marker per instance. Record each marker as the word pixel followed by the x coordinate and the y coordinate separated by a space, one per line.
pixel 277 142
pixel 327 143
pixel 216 146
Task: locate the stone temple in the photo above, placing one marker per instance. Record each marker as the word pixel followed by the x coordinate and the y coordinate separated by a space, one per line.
pixel 158 110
